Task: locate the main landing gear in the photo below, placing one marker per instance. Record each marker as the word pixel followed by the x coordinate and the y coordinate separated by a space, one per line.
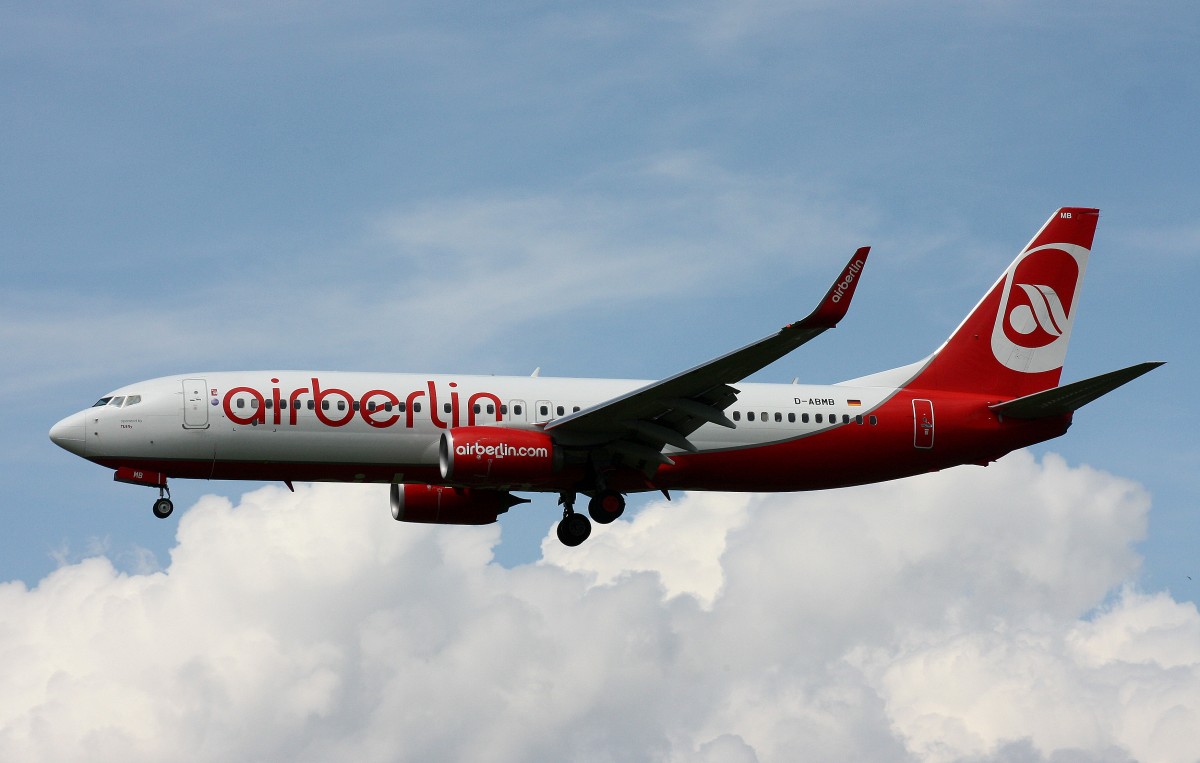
pixel 604 507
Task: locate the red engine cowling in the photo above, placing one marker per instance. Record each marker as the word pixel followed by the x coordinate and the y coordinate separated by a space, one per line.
pixel 439 504
pixel 497 456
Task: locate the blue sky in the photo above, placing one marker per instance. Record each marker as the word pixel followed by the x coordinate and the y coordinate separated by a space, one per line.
pixel 621 191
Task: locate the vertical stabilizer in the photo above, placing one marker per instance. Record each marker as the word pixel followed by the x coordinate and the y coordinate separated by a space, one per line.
pixel 1015 340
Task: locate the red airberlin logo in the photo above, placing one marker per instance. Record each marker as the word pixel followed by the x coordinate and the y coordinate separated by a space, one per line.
pixel 1040 298
pixel 499 450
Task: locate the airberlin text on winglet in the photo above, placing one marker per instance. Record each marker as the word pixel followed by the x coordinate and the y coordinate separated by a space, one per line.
pixel 853 270
pixel 379 408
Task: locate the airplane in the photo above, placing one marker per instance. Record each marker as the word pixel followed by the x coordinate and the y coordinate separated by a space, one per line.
pixel 455 448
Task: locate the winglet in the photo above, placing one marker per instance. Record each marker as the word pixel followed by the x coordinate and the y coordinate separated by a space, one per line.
pixel 837 300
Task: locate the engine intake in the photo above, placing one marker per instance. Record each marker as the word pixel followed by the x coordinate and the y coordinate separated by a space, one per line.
pixel 497 455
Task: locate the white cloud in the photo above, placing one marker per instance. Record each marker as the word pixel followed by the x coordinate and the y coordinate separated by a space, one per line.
pixel 973 614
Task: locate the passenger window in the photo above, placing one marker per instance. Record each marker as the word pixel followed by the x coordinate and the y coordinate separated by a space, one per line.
pixel 491 408
pixel 356 405
pixel 544 410
pixel 503 409
pixel 371 406
pixel 388 407
pixel 764 416
pixel 873 420
pixel 737 415
pixel 750 416
pixel 858 419
pixel 241 403
pixel 312 405
pixel 476 408
pixel 282 404
pixel 446 407
pixel 517 410
pixel 845 418
pixel 804 418
pixel 778 417
pixel 267 403
pixel 254 403
pixel 561 410
pixel 819 418
pixel 324 405
pixel 575 409
pixel 791 418
pixel 341 405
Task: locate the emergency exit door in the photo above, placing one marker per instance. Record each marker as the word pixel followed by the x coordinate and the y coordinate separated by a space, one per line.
pixel 923 424
pixel 195 404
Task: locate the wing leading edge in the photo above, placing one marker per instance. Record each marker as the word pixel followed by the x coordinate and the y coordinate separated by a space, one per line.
pixel 639 424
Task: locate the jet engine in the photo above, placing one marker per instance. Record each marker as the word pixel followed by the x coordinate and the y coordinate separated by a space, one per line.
pixel 497 456
pixel 439 504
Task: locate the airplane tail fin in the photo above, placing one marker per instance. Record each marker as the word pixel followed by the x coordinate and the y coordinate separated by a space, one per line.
pixel 1015 340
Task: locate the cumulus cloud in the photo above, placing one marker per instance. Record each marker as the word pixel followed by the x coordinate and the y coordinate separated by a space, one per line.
pixel 970 615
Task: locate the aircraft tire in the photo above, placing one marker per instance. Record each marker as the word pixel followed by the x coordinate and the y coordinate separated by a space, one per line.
pixel 606 506
pixel 574 529
pixel 163 508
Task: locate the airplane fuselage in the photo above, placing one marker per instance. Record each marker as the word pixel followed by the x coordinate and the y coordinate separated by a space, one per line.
pixel 386 428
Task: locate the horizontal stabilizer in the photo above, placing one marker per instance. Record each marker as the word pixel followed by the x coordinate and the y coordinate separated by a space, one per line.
pixel 1070 397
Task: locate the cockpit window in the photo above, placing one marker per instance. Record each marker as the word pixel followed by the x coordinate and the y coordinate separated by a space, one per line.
pixel 132 400
pixel 116 402
pixel 102 402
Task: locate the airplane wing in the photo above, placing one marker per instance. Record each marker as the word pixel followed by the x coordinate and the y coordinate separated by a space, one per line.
pixel 1070 397
pixel 639 424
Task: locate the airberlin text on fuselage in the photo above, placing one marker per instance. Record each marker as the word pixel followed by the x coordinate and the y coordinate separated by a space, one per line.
pixel 380 408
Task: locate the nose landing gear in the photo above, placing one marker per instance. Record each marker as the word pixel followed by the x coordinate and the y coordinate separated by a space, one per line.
pixel 163 506
pixel 134 476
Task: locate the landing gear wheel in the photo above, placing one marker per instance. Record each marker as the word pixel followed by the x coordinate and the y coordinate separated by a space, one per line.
pixel 574 529
pixel 163 508
pixel 606 506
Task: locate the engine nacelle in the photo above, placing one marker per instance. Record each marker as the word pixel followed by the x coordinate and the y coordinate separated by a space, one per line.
pixel 439 504
pixel 497 455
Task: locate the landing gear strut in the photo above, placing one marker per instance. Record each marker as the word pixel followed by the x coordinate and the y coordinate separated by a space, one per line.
pixel 574 528
pixel 163 506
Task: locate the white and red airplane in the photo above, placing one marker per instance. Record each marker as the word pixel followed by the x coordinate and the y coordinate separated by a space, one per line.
pixel 454 448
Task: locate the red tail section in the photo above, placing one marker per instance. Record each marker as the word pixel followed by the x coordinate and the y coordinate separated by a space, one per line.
pixel 1015 340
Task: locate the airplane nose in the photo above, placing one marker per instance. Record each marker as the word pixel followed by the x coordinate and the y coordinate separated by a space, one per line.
pixel 68 433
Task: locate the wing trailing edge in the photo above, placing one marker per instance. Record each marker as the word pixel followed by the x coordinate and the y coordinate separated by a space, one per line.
pixel 1070 397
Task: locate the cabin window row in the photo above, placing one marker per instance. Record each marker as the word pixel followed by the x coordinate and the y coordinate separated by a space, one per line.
pixel 804 418
pixel 325 405
pixel 372 406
